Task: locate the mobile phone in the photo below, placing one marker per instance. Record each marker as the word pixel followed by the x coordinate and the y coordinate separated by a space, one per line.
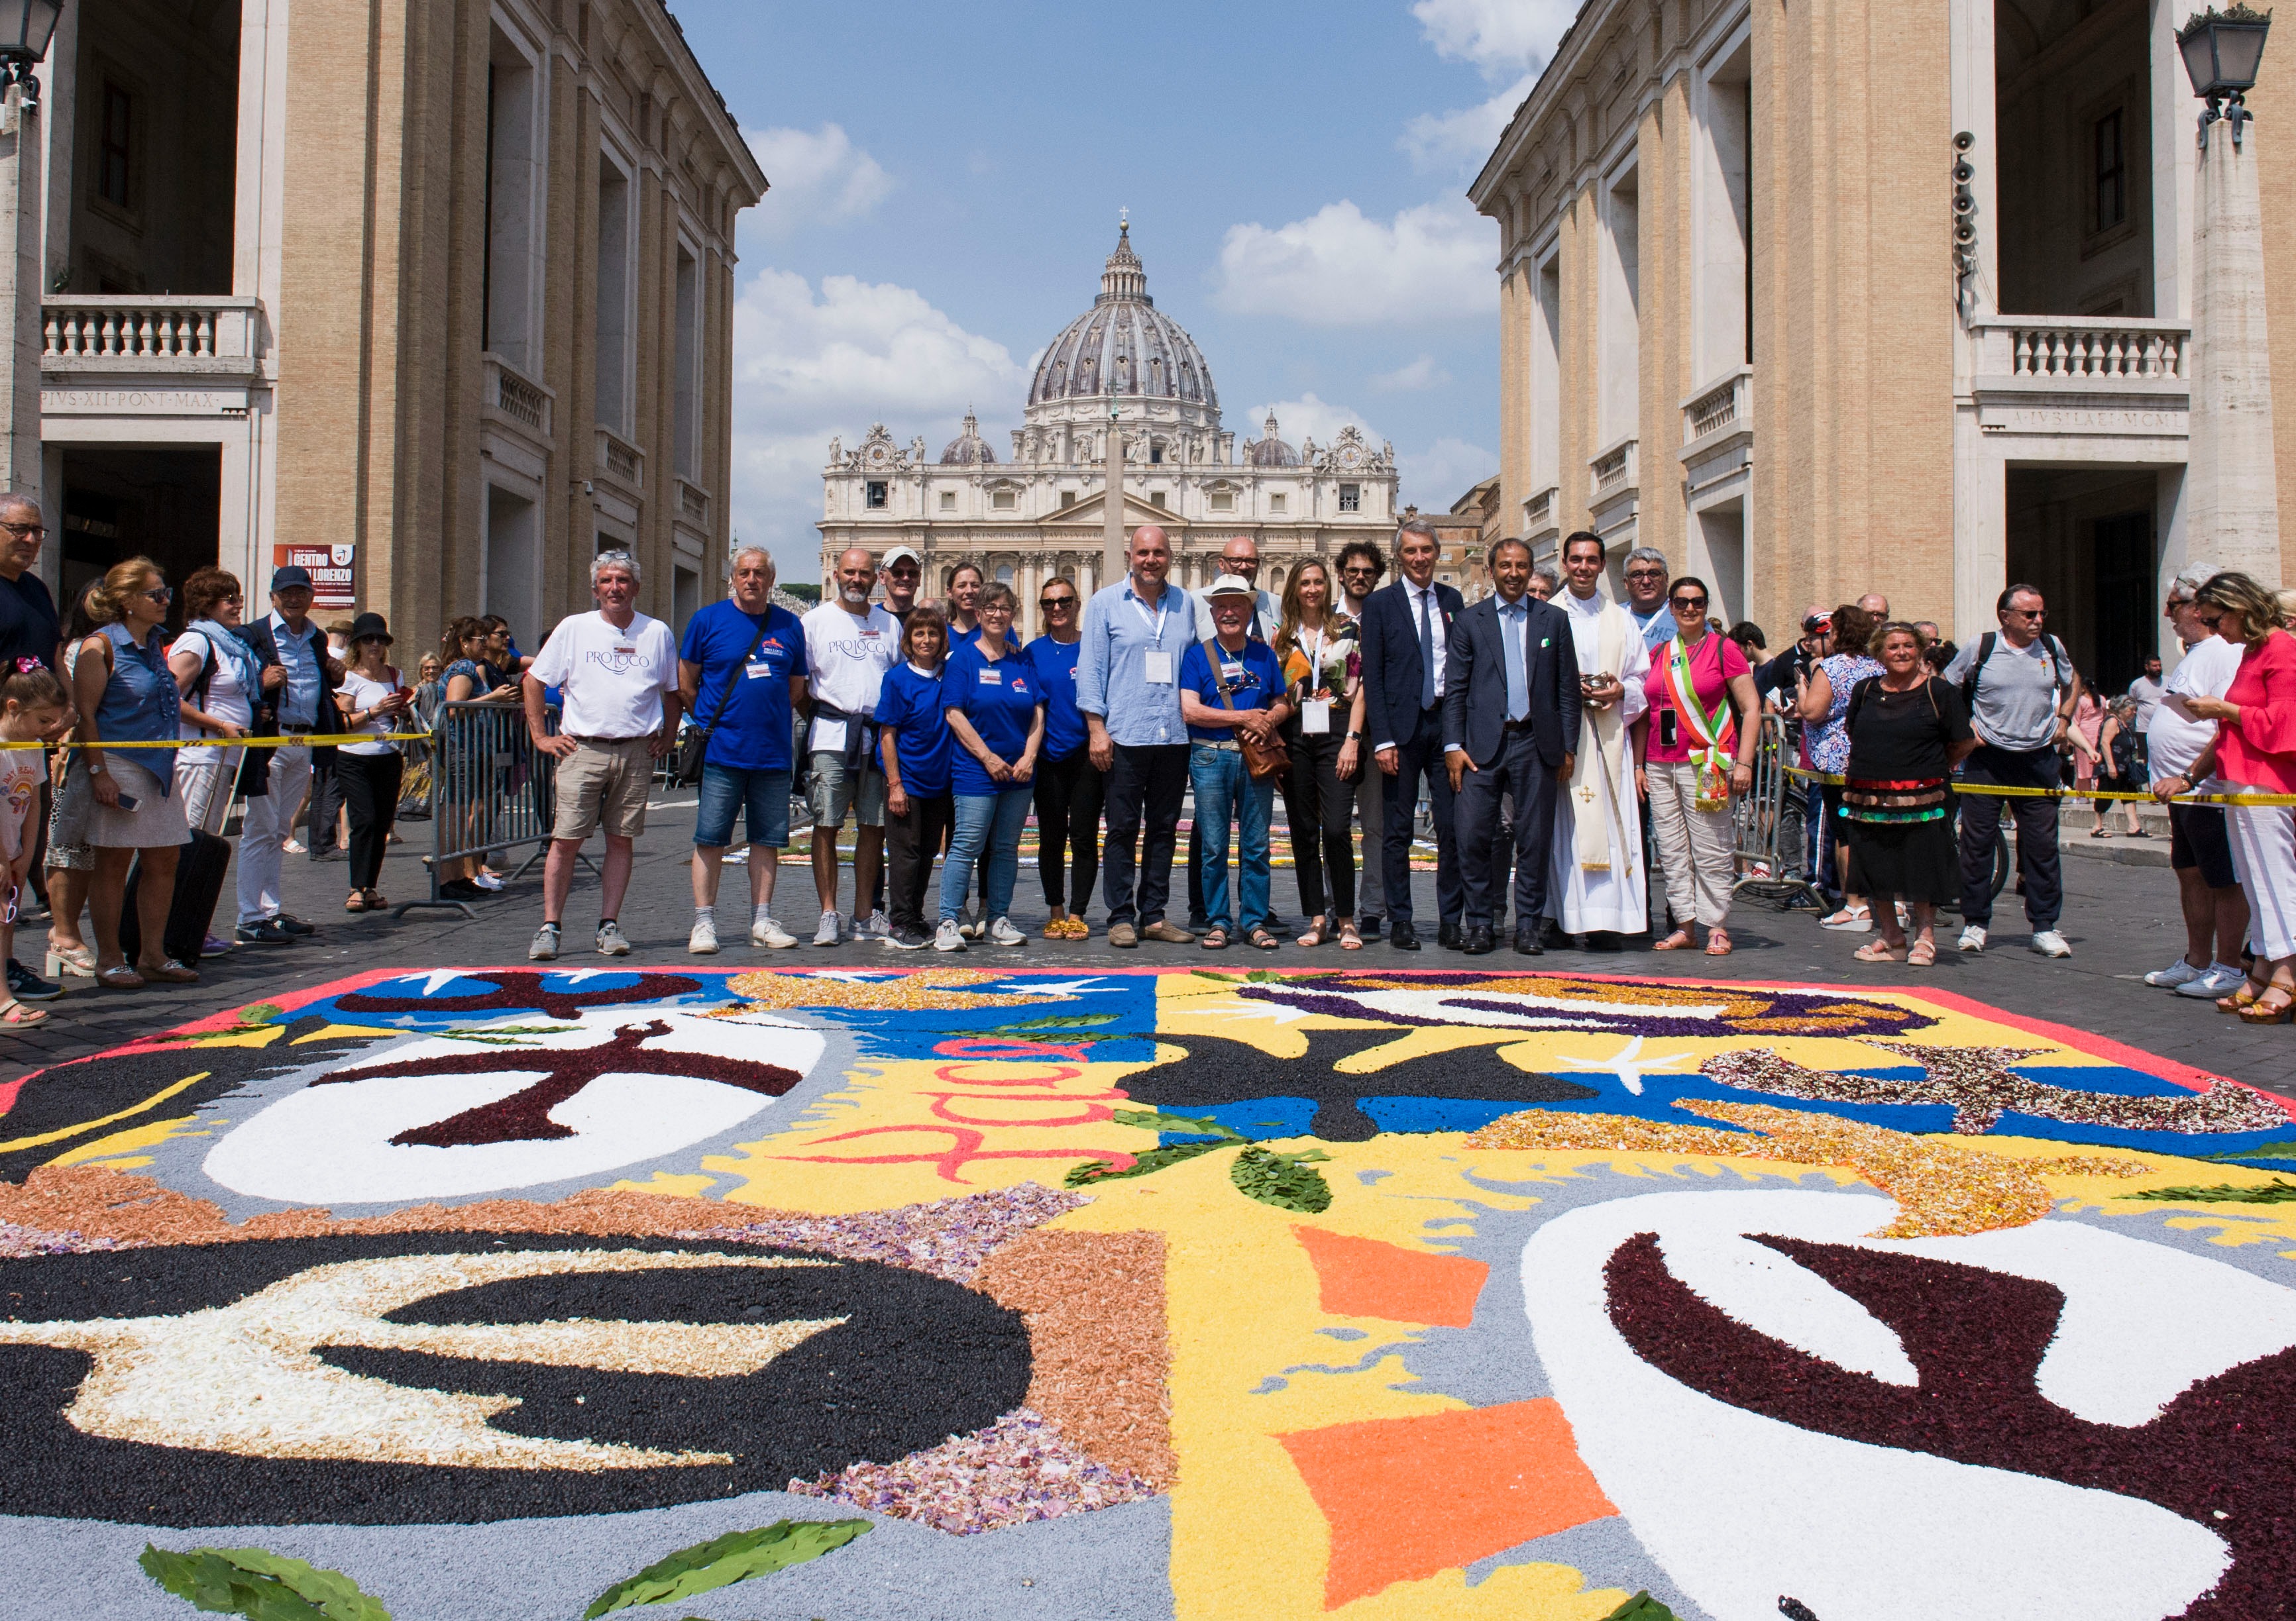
pixel 1666 727
pixel 128 802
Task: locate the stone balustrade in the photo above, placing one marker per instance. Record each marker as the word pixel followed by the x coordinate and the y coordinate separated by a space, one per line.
pixel 518 397
pixel 1729 404
pixel 2077 354
pixel 126 334
pixel 1612 471
pixel 622 461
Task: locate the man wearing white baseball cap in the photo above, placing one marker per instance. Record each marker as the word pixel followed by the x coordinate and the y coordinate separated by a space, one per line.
pixel 900 572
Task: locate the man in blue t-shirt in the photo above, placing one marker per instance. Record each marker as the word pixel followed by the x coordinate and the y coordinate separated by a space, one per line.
pixel 1231 687
pixel 741 669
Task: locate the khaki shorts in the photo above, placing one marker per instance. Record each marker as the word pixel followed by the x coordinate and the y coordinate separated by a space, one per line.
pixel 837 792
pixel 604 781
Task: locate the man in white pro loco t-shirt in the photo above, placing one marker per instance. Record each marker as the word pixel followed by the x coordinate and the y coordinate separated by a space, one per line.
pixel 849 644
pixel 617 674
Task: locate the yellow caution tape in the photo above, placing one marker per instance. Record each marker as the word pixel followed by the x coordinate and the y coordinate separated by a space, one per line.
pixel 2002 791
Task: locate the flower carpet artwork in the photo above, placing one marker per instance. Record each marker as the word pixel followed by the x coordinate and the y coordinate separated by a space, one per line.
pixel 958 1291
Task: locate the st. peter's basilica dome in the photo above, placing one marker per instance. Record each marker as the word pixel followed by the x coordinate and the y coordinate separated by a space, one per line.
pixel 969 449
pixel 1124 346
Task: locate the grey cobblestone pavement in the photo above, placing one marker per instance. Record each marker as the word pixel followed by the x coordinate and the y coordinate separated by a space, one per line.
pixel 2121 919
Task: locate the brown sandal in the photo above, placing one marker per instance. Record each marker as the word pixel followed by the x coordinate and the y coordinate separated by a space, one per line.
pixel 1316 934
pixel 1681 939
pixel 1350 937
pixel 1214 939
pixel 1264 940
pixel 358 902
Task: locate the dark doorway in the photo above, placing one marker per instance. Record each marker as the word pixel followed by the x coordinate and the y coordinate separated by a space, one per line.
pixel 159 502
pixel 2125 615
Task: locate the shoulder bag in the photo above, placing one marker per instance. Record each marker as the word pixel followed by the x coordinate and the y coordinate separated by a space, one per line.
pixel 693 748
pixel 1261 760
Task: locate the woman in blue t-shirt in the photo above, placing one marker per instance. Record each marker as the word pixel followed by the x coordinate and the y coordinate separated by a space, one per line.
pixel 1229 686
pixel 916 745
pixel 990 697
pixel 1070 789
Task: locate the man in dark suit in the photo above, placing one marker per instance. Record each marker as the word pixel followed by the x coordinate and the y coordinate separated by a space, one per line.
pixel 1510 727
pixel 1406 627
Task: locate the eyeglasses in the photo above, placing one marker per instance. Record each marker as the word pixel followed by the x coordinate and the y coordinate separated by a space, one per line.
pixel 1689 602
pixel 2030 613
pixel 161 594
pixel 26 531
pixel 2210 619
pixel 1645 574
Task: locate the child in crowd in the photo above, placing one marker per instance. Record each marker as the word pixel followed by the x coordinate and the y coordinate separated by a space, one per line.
pixel 32 704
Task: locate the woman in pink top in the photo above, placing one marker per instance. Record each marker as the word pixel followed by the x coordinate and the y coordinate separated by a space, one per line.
pixel 2255 752
pixel 1689 760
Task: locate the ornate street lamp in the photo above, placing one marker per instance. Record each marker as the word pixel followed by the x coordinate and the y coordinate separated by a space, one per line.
pixel 2221 51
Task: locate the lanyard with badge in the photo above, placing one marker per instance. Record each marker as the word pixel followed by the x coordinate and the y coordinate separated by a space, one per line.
pixel 1158 670
pixel 1316 705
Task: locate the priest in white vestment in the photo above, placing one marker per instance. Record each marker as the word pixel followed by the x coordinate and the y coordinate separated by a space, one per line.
pixel 1596 881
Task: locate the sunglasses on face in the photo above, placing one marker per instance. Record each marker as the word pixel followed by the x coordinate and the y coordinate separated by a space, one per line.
pixel 2030 613
pixel 1051 602
pixel 1689 602
pixel 161 594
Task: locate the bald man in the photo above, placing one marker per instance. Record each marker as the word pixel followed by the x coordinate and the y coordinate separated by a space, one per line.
pixel 849 644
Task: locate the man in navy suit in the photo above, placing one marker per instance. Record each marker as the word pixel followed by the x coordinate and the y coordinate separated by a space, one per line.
pixel 1510 727
pixel 1406 628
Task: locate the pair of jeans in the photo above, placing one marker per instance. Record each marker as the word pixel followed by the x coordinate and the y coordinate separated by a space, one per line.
pixel 1145 784
pixel 912 840
pixel 987 833
pixel 1225 789
pixel 1317 804
pixel 728 791
pixel 1068 794
pixel 2037 833
pixel 369 784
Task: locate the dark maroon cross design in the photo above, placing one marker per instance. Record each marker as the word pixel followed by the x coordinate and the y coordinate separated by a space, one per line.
pixel 524 1116
pixel 518 990
pixel 2225 1446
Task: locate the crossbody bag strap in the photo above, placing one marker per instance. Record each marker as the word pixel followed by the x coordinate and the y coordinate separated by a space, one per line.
pixel 726 702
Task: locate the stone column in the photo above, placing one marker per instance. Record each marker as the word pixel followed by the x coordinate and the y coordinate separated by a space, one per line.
pixel 20 295
pixel 2231 499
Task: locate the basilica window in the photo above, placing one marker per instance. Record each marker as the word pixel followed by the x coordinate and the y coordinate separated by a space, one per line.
pixel 1156 498
pixel 874 495
pixel 2112 173
pixel 1275 503
pixel 948 501
pixel 1004 574
pixel 1003 500
pixel 1351 497
pixel 1223 501
pixel 1156 452
pixel 1068 497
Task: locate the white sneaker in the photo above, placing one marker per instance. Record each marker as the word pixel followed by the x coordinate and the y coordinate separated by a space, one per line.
pixel 771 934
pixel 973 927
pixel 611 941
pixel 487 880
pixel 947 937
pixel 878 927
pixel 827 934
pixel 703 941
pixel 2179 974
pixel 546 944
pixel 2222 979
pixel 1973 939
pixel 1002 933
pixel 2049 943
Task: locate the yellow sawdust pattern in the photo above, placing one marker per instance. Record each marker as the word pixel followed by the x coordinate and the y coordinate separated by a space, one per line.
pixel 931 989
pixel 1942 1190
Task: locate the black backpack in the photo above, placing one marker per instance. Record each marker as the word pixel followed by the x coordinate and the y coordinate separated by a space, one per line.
pixel 2061 667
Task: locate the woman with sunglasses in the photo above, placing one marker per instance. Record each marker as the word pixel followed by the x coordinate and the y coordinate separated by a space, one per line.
pixel 1823 703
pixel 1069 789
pixel 125 692
pixel 989 697
pixel 1689 760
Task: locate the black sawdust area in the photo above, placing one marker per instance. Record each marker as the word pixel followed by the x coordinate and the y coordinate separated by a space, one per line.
pixel 919 1359
pixel 1218 1070
pixel 72 1099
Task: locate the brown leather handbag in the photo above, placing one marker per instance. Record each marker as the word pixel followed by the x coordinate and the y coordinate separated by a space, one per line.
pixel 1262 761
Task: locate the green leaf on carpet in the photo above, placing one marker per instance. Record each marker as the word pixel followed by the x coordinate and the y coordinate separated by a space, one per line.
pixel 505 1035
pixel 1642 1607
pixel 2278 1191
pixel 2262 1150
pixel 1075 1021
pixel 255 1017
pixel 1156 1120
pixel 1282 1180
pixel 1155 1159
pixel 260 1586
pixel 735 1557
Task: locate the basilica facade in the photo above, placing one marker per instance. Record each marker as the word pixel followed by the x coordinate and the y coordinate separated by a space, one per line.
pixel 1039 514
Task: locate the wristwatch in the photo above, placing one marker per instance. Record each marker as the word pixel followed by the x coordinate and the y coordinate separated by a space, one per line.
pixel 1354 736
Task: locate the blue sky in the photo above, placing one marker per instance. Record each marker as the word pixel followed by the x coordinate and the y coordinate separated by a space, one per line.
pixel 946 181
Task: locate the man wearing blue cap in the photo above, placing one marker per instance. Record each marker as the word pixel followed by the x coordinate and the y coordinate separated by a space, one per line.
pixel 299 689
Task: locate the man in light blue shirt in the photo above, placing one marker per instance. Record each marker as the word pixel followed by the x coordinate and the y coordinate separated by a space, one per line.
pixel 1128 686
pixel 1646 574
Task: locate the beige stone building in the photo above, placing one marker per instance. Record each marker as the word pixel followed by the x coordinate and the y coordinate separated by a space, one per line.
pixel 1736 323
pixel 442 288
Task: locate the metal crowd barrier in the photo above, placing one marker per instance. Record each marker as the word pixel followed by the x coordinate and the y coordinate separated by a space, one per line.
pixel 1771 848
pixel 491 789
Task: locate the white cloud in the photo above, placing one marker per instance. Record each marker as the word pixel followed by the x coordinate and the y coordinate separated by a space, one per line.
pixel 1461 139
pixel 1500 36
pixel 814 176
pixel 1338 268
pixel 1424 372
pixel 1305 418
pixel 810 365
pixel 1434 477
